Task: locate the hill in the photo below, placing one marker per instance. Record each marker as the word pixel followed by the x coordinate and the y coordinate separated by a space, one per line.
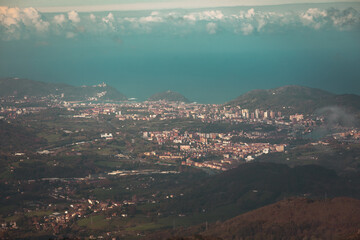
pixel 18 138
pixel 20 88
pixel 168 96
pixel 254 185
pixel 298 218
pixel 342 158
pixel 295 99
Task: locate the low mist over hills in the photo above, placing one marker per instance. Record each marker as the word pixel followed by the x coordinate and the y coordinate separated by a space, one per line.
pixel 20 88
pixel 295 99
pixel 168 96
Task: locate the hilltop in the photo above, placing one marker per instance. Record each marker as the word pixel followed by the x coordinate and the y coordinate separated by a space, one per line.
pixel 19 88
pixel 168 96
pixel 295 99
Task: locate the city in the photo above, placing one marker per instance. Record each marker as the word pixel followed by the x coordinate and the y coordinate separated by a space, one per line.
pixel 148 143
pixel 180 120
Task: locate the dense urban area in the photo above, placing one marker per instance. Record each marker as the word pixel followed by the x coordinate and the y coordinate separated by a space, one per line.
pixel 106 169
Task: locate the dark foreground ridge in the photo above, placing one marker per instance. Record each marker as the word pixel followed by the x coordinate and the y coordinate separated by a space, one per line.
pixel 294 218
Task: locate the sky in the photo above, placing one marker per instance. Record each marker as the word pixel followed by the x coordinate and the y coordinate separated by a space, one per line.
pixel 111 5
pixel 205 50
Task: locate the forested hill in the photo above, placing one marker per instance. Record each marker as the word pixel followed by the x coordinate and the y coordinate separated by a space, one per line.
pixel 168 96
pixel 295 99
pixel 20 88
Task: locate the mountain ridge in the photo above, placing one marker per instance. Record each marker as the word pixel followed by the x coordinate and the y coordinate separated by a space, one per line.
pixel 20 88
pixel 294 99
pixel 288 99
pixel 169 96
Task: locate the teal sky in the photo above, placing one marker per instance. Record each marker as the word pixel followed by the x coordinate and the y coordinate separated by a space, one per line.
pixel 211 55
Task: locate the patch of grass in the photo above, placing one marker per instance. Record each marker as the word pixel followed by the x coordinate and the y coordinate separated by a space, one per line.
pixel 38 213
pixel 146 227
pixel 103 194
pixel 6 174
pixel 51 138
pixel 94 222
pixel 13 218
pixel 148 207
pixel 110 164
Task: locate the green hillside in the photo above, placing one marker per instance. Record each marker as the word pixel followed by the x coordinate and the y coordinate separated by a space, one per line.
pixel 295 99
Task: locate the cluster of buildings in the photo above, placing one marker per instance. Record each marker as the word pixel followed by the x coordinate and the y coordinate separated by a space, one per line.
pixel 195 148
pixel 149 110
pixel 9 225
pixel 58 221
pixel 162 110
pixel 352 136
pixel 13 112
pixel 58 215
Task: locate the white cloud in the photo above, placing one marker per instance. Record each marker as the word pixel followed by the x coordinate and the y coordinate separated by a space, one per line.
pixel 18 23
pixel 340 19
pixel 247 28
pixel 92 17
pixel 313 13
pixel 28 17
pixel 108 19
pixel 261 23
pixel 246 14
pixel 313 17
pixel 31 17
pixel 211 15
pixel 151 19
pixel 60 19
pixel 344 19
pixel 73 16
pixel 190 17
pixel 250 13
pixel 70 35
pixel 211 28
pixel 205 16
pixel 9 16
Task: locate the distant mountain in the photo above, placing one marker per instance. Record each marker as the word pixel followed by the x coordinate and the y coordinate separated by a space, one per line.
pixel 169 96
pixel 297 218
pixel 295 99
pixel 24 87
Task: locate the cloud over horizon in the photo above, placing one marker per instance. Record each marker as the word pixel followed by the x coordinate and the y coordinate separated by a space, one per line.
pixel 18 23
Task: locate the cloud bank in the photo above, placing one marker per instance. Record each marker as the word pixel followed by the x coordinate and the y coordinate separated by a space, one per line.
pixel 18 23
